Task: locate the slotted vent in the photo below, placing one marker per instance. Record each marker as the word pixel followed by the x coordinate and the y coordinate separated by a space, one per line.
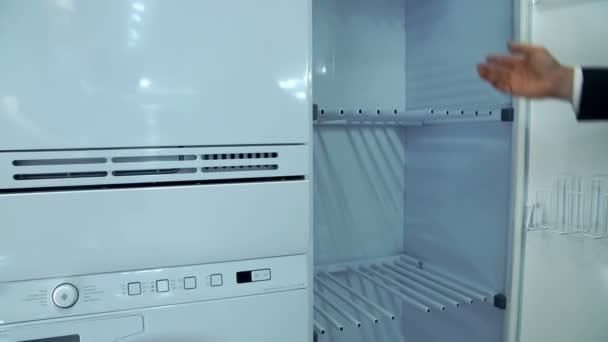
pixel 148 166
pixel 152 159
pixel 152 172
pixel 249 155
pixel 59 161
pixel 240 168
pixel 60 175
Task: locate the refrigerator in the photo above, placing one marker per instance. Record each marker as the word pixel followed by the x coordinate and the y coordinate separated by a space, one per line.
pixel 348 144
pixel 418 172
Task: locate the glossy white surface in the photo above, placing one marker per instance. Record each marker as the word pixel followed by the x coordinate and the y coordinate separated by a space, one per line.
pixel 445 39
pixel 456 218
pixel 82 74
pixel 264 318
pixel 565 295
pixel 359 53
pixel 565 289
pixel 571 31
pixel 112 292
pixel 359 186
pixel 130 229
pixel 464 236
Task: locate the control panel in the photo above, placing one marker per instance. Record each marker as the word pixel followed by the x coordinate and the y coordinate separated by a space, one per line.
pixel 89 294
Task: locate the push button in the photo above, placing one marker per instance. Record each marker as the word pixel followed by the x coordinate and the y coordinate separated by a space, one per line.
pixel 134 289
pixel 190 283
pixel 162 285
pixel 260 275
pixel 217 280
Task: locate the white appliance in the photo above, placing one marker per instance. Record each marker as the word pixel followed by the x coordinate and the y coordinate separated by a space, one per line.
pixel 155 145
pixel 155 178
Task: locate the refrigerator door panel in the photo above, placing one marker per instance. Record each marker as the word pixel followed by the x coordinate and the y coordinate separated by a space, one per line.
pixel 565 294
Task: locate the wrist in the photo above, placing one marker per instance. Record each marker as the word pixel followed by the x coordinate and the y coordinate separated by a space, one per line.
pixel 563 82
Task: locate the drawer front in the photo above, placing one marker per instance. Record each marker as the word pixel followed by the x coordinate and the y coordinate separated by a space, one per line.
pixel 57 234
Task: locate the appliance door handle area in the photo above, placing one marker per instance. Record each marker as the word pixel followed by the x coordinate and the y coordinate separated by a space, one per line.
pixel 88 330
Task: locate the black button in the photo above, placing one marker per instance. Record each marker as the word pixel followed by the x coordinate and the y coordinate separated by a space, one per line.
pixel 243 277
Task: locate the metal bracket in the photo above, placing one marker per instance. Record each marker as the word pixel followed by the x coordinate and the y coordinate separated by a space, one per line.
pixel 507 115
pixel 500 301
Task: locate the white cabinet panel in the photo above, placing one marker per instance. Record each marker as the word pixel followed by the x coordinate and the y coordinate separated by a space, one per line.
pixel 271 317
pixel 88 232
pixel 85 74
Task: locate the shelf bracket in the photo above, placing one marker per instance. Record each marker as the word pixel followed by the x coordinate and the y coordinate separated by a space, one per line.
pixel 315 112
pixel 500 301
pixel 507 115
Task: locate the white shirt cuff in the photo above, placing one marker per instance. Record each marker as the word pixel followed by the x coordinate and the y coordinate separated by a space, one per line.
pixel 577 89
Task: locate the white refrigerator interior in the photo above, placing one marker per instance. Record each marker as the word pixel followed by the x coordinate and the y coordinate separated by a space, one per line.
pixel 565 293
pixel 412 172
pixel 155 165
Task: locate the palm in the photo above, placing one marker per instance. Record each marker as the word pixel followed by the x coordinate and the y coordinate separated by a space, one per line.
pixel 530 72
pixel 526 80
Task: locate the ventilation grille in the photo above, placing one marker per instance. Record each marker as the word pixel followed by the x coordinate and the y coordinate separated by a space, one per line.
pixel 59 161
pixel 229 156
pixel 152 172
pixel 167 166
pixel 240 168
pixel 60 175
pixel 151 159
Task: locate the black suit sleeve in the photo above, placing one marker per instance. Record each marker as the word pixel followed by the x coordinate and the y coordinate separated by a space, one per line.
pixel 594 97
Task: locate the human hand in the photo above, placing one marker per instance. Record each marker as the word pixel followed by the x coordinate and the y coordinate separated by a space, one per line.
pixel 529 71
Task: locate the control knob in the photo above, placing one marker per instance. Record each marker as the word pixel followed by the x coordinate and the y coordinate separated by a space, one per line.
pixel 65 296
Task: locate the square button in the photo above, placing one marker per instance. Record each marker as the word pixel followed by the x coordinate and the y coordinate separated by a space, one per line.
pixel 190 283
pixel 134 289
pixel 162 285
pixel 260 275
pixel 216 280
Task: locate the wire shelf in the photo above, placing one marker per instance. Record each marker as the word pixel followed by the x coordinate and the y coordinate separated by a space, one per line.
pixel 341 304
pixel 409 117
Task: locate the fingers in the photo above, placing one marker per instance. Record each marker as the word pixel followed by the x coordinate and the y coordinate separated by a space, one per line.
pixel 520 48
pixel 498 77
pixel 483 71
pixel 507 62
